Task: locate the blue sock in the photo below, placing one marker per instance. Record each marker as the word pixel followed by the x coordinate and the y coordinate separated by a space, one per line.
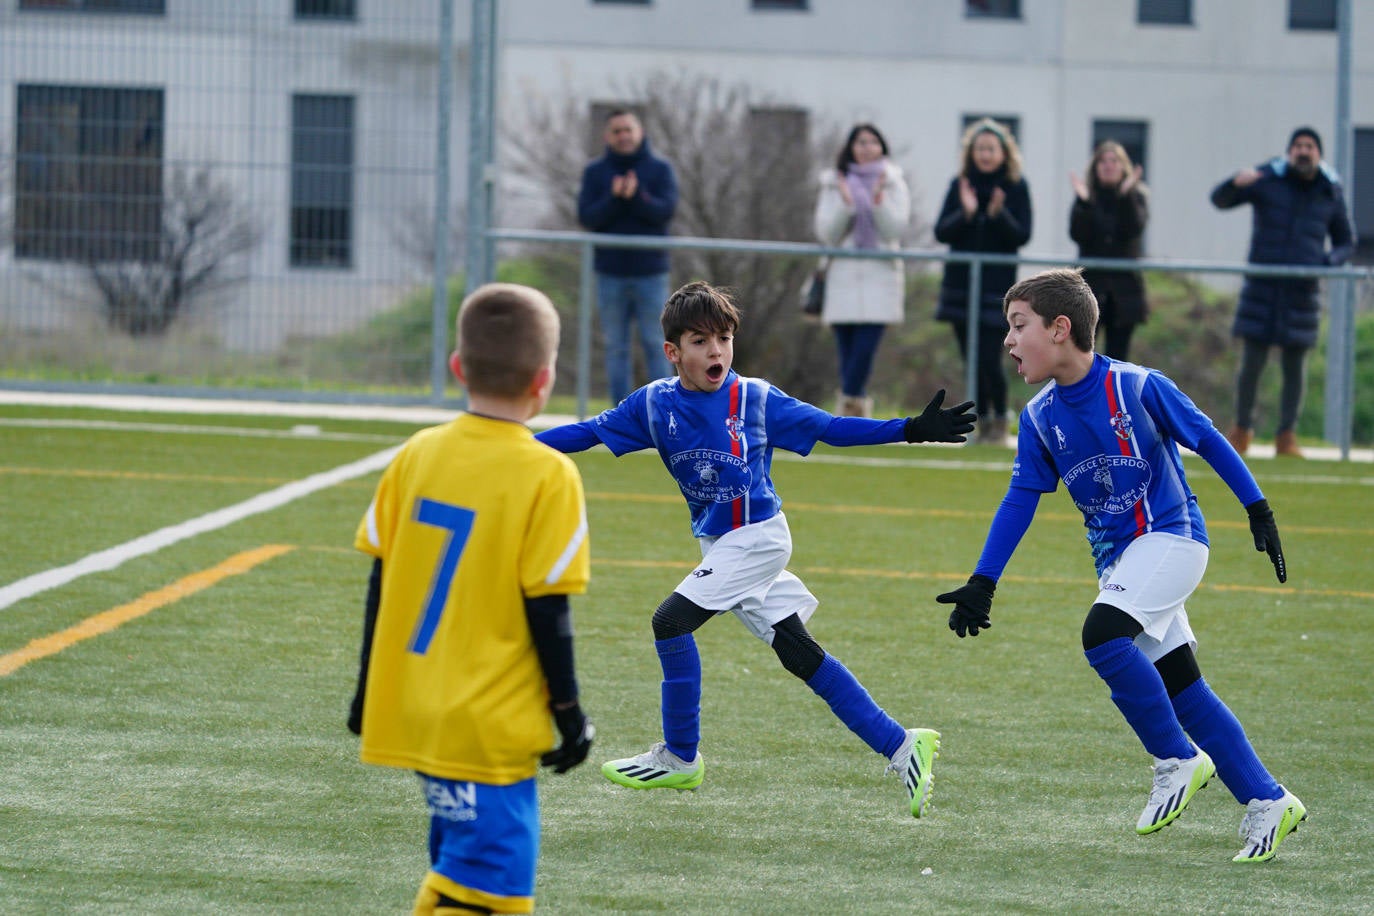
pixel 1218 732
pixel 1138 691
pixel 681 694
pixel 849 701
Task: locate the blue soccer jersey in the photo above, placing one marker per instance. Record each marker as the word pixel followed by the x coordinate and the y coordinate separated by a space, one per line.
pixel 718 445
pixel 1113 439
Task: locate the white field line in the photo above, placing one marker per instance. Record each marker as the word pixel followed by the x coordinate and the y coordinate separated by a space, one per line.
pixel 296 432
pixel 150 543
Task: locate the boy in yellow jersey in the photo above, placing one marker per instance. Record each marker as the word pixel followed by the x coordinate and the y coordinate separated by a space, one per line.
pixel 478 535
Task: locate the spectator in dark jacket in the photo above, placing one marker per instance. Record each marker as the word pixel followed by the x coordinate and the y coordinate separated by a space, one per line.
pixel 629 191
pixel 1107 220
pixel 987 209
pixel 1297 203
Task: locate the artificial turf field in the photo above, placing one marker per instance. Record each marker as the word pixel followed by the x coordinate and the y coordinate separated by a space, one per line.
pixel 171 728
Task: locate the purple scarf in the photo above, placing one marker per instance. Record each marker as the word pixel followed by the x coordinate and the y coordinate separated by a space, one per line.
pixel 863 182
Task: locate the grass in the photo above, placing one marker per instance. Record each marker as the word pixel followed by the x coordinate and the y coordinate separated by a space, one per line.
pixel 195 760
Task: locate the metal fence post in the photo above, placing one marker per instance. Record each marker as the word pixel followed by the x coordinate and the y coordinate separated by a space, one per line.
pixel 975 307
pixel 1339 416
pixel 438 361
pixel 584 329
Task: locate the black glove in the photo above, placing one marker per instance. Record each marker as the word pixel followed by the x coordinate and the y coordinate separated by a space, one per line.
pixel 972 605
pixel 936 425
pixel 577 731
pixel 1267 535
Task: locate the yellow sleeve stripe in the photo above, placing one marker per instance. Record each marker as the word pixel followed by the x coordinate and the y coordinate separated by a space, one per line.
pixel 570 552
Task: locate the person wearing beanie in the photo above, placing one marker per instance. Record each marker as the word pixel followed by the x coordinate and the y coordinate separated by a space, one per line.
pixel 1297 203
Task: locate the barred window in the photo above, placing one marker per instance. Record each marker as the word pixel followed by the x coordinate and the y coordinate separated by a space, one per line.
pixel 144 7
pixel 1164 12
pixel 321 181
pixel 1312 15
pixel 326 9
pixel 88 173
pixel 992 9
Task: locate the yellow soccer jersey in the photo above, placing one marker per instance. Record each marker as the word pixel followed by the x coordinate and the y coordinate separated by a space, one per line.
pixel 469 519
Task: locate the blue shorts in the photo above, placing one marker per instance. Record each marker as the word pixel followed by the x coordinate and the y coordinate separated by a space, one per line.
pixel 482 837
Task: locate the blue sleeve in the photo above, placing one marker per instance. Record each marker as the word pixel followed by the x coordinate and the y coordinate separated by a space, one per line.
pixel 622 429
pixel 792 424
pixel 844 431
pixel 1174 411
pixel 570 437
pixel 1009 525
pixel 1230 467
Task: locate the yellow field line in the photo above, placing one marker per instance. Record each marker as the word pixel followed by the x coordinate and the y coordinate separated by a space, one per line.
pixel 914 512
pixel 862 573
pixel 106 621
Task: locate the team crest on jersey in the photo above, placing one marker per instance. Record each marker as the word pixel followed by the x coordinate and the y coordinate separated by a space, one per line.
pixel 734 426
pixel 1059 438
pixel 1110 484
pixel 1121 425
pixel 672 424
pixel 709 475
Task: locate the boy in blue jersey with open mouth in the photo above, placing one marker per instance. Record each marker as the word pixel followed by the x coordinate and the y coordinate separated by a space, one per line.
pixel 1111 430
pixel 716 431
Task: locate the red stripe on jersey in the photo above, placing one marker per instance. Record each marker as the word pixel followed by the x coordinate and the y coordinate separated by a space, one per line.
pixel 737 505
pixel 1113 408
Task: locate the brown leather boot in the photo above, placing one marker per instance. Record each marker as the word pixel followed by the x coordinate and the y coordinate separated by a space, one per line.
pixel 992 429
pixel 1240 437
pixel 1286 444
pixel 851 406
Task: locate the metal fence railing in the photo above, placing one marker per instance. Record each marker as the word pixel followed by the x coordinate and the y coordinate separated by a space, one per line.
pixel 1340 393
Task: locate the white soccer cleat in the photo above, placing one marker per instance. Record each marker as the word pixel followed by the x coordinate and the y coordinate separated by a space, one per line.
pixel 915 760
pixel 1266 823
pixel 1176 781
pixel 656 768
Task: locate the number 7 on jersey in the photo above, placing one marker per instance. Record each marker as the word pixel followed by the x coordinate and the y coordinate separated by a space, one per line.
pixel 457 521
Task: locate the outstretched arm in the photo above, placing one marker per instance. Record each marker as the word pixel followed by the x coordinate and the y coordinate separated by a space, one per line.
pixel 973 600
pixel 1213 448
pixel 934 424
pixel 570 437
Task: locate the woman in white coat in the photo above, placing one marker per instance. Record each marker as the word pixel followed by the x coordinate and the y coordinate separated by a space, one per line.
pixel 864 204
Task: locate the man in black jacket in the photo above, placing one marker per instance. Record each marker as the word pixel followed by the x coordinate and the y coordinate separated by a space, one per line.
pixel 1297 203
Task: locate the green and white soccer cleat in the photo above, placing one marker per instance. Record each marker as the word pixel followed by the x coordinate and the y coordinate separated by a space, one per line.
pixel 915 760
pixel 1176 782
pixel 656 768
pixel 1266 823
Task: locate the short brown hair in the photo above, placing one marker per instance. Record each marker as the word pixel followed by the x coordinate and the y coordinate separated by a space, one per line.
pixel 699 306
pixel 506 334
pixel 1061 291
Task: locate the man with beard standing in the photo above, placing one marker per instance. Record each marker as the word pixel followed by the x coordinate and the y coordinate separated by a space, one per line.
pixel 629 191
pixel 1297 203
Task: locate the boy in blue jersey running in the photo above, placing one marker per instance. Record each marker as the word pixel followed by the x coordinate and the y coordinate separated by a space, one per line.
pixel 1111 430
pixel 716 432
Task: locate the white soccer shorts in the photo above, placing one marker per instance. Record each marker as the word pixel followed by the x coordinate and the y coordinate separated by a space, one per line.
pixel 744 572
pixel 1150 581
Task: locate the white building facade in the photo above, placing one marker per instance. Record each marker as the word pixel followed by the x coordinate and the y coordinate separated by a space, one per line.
pixel 320 115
